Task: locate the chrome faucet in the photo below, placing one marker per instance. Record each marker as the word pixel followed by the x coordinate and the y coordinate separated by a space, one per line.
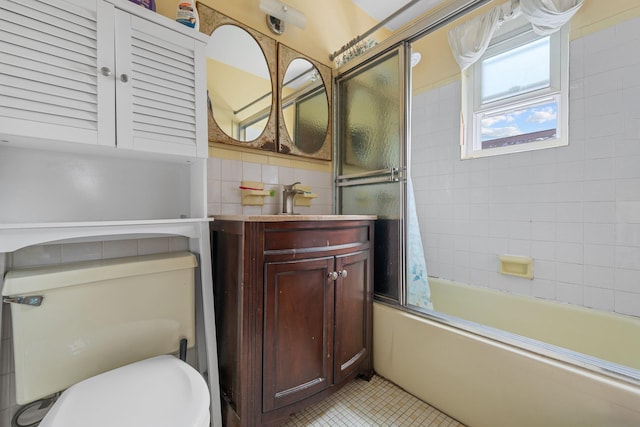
pixel 288 192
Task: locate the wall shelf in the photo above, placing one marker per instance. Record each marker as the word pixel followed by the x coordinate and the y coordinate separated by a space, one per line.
pixel 17 236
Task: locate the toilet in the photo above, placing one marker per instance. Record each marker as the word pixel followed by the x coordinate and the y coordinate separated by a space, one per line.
pixel 104 333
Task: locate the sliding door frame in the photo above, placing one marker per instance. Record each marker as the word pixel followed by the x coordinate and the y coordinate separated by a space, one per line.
pixel 394 174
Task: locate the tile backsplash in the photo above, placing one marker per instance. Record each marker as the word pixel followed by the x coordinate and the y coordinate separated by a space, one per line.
pixel 224 177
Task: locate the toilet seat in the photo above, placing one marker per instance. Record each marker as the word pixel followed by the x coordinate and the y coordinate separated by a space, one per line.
pixel 162 391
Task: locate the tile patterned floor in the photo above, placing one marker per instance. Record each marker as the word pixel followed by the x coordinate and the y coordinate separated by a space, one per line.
pixel 368 404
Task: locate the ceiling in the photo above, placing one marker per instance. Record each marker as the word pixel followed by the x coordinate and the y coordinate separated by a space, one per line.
pixel 236 52
pixel 381 9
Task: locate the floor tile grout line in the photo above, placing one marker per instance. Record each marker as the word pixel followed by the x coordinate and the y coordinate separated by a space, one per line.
pixel 378 402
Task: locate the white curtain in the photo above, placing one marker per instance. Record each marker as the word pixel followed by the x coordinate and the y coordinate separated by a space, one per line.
pixel 470 39
pixel 547 16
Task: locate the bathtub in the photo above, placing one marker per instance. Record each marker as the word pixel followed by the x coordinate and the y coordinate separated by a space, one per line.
pixel 485 377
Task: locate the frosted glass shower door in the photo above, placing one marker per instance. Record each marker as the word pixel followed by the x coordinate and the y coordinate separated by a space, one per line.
pixel 370 168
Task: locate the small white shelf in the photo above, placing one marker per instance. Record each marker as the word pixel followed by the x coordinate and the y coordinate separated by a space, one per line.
pixel 17 236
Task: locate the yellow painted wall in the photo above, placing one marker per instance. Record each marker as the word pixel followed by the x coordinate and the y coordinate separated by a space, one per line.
pixel 330 23
pixel 438 67
pixel 596 15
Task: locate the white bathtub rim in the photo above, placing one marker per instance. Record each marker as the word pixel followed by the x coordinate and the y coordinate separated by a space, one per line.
pixel 582 364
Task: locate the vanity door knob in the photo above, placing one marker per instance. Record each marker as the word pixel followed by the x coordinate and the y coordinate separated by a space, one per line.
pixel 124 78
pixel 105 71
pixel 333 275
pixel 343 273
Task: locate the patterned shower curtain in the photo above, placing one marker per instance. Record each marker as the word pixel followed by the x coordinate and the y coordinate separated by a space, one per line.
pixel 418 292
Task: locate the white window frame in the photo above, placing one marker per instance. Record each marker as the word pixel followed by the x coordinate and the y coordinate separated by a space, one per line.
pixel 511 35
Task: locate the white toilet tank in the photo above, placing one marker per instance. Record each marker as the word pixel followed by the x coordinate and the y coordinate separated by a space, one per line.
pixel 96 316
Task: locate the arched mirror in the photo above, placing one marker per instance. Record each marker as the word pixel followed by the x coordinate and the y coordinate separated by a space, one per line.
pixel 305 105
pixel 240 82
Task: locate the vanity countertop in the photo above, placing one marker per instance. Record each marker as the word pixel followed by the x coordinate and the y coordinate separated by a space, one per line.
pixel 284 218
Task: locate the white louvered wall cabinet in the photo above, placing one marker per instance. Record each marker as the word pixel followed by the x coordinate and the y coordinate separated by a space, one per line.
pixel 104 73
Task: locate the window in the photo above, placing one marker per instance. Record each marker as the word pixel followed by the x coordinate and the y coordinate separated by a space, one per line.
pixel 251 128
pixel 515 95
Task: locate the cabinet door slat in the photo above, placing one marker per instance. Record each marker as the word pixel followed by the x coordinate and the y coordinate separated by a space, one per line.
pixel 54 116
pixel 39 89
pixel 173 56
pixel 170 108
pixel 147 90
pixel 151 69
pixel 156 137
pixel 165 115
pixel 61 30
pixel 60 81
pixel 19 93
pixel 29 106
pixel 156 126
pixel 144 96
pixel 35 40
pixel 186 90
pixel 33 49
pixel 70 12
pixel 23 67
pixel 161 62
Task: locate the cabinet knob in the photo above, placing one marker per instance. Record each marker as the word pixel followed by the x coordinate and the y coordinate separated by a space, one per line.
pixel 333 275
pixel 343 273
pixel 124 78
pixel 105 71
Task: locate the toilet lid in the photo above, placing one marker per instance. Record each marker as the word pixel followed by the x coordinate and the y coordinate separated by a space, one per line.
pixel 162 391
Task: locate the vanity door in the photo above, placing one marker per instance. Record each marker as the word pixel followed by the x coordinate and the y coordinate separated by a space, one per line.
pixel 353 312
pixel 298 330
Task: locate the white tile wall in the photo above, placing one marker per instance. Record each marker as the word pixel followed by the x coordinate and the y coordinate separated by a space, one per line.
pixel 574 209
pixel 224 178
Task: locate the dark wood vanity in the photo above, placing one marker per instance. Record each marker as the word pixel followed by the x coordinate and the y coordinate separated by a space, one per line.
pixel 293 303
